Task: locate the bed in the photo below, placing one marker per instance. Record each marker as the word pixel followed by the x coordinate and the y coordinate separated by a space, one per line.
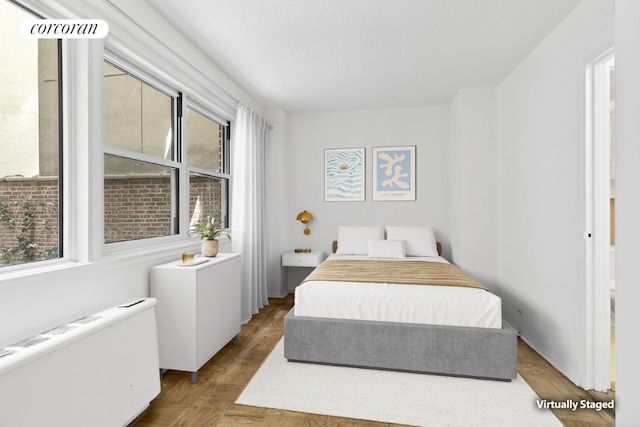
pixel 387 299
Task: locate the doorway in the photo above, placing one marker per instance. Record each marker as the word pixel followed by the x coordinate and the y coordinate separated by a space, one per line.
pixel 600 221
pixel 611 66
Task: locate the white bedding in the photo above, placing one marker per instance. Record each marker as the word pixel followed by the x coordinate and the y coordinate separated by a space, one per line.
pixel 436 305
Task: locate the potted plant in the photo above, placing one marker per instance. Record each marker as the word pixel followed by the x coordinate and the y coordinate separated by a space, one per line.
pixel 209 234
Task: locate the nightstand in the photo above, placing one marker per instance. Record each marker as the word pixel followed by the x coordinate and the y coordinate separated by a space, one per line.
pixel 306 261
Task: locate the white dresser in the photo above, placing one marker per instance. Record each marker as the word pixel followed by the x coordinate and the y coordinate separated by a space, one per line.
pixel 198 310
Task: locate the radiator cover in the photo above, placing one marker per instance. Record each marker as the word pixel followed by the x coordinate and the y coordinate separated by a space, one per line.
pixel 98 370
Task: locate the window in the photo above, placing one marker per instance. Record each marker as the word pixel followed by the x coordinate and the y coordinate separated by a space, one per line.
pixel 138 200
pixel 30 190
pixel 145 158
pixel 141 175
pixel 207 154
pixel 137 116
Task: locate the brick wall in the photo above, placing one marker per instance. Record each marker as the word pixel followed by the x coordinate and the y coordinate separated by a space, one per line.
pixel 136 207
pixel 140 207
pixel 28 214
pixel 206 196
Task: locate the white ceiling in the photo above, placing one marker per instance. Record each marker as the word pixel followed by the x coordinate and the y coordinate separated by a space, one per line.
pixel 327 55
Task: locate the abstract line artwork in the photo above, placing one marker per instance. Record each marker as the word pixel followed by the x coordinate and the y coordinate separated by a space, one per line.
pixel 394 173
pixel 344 175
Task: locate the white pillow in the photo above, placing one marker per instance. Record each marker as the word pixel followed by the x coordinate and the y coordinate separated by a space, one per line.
pixel 386 249
pixel 419 241
pixel 354 240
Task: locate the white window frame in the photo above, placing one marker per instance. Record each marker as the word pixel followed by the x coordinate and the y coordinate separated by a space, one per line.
pixel 180 202
pixel 64 196
pixel 224 174
pixel 135 72
pixel 142 54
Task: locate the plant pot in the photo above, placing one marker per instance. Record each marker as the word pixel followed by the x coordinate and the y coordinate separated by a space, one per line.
pixel 209 248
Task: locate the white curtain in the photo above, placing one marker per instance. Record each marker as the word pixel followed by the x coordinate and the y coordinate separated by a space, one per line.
pixel 248 222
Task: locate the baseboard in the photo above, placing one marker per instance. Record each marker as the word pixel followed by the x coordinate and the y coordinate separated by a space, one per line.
pixel 510 326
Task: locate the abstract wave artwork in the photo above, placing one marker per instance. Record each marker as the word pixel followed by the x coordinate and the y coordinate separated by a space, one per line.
pixel 344 175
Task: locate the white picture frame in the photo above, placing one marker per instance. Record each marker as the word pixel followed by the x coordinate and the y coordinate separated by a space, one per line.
pixel 394 174
pixel 344 175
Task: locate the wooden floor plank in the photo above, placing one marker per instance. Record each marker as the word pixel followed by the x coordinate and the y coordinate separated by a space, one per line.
pixel 211 401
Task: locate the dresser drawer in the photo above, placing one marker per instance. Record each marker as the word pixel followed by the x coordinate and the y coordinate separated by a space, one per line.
pixel 310 259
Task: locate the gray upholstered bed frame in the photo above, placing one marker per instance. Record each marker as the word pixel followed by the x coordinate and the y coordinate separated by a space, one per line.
pixel 447 350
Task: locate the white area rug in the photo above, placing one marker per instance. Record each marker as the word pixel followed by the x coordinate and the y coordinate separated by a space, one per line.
pixel 393 397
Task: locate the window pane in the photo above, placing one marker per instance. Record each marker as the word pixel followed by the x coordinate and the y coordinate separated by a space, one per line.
pixel 29 143
pixel 204 142
pixel 137 117
pixel 138 199
pixel 207 197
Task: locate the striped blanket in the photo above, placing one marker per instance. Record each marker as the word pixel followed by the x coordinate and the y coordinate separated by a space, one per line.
pixel 386 271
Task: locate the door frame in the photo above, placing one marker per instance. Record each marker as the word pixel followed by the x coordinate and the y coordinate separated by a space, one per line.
pixel 597 222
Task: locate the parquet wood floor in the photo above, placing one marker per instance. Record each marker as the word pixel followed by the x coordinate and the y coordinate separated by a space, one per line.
pixel 211 402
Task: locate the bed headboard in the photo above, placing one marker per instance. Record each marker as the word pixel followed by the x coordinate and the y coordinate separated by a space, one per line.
pixel 334 247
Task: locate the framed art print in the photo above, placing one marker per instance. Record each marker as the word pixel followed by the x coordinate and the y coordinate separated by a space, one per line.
pixel 344 173
pixel 394 173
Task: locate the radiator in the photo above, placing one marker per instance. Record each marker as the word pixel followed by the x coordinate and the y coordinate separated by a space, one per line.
pixel 98 370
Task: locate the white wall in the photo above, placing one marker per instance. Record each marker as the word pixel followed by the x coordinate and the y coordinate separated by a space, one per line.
pixel 277 197
pixel 30 304
pixel 309 134
pixel 473 184
pixel 36 299
pixel 540 201
pixel 627 212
